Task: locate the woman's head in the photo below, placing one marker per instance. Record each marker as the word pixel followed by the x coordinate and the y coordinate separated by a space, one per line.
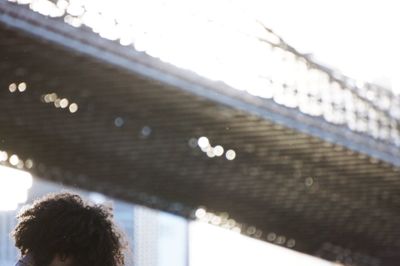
pixel 62 229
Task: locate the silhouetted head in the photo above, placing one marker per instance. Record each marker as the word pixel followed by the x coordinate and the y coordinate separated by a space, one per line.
pixel 62 229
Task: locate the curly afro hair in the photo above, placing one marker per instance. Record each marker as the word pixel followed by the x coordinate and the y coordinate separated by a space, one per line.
pixel 64 224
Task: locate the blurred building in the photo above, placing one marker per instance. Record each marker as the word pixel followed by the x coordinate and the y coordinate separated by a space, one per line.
pixel 8 252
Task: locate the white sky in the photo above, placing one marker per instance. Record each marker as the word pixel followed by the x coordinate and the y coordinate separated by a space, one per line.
pixel 358 37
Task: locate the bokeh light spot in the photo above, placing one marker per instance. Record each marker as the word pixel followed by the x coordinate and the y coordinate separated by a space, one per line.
pixel 230 155
pixel 12 87
pixel 73 108
pixel 22 86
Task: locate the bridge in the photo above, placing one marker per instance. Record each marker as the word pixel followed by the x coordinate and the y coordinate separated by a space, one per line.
pixel 285 150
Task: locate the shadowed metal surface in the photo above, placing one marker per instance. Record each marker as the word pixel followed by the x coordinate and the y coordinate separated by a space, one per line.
pixel 130 138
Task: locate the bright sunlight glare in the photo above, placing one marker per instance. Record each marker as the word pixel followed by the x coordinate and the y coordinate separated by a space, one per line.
pixel 14 185
pixel 218 39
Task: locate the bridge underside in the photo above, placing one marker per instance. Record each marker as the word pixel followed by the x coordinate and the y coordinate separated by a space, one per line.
pixel 133 138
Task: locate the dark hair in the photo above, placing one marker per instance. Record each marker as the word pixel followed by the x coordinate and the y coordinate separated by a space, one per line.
pixel 66 225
